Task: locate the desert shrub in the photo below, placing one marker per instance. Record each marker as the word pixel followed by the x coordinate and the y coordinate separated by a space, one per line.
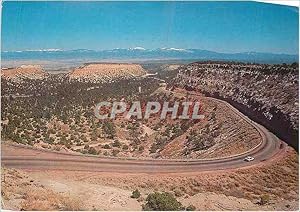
pixel 198 142
pixel 56 148
pixel 109 129
pixel 92 151
pixel 30 142
pixel 84 151
pixel 159 143
pixel 68 145
pixel 135 194
pixel 116 143
pixel 106 146
pixel 178 193
pixel 153 148
pixel 162 202
pixel 115 152
pixel 264 199
pixel 125 147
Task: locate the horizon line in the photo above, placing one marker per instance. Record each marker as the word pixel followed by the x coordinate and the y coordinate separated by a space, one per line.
pixel 139 48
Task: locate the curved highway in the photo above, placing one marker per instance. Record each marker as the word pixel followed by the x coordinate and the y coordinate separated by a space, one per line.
pixel 24 157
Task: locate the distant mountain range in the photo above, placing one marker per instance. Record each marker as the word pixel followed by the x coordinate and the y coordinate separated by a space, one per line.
pixel 145 54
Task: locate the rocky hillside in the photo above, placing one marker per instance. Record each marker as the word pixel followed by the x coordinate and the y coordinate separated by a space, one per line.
pixel 23 72
pixel 267 93
pixel 106 72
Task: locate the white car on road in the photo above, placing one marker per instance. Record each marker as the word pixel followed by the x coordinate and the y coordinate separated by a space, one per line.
pixel 248 159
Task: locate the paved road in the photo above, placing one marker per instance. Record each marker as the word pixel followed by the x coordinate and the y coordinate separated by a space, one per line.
pixel 23 157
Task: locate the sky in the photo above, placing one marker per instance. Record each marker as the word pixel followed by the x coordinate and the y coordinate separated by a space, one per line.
pixel 218 26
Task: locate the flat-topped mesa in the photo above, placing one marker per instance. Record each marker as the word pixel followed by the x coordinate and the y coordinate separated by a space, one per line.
pixel 24 72
pixel 106 72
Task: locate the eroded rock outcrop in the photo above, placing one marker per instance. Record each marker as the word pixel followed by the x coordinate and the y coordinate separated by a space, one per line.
pixel 268 93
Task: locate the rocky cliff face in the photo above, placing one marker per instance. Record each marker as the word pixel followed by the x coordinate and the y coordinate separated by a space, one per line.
pixel 106 72
pixel 267 93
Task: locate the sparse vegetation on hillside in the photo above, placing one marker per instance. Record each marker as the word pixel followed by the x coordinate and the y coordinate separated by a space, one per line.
pixel 162 202
pixel 135 194
pixel 266 92
pixel 57 113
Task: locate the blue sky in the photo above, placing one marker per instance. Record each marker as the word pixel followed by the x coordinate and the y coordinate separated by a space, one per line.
pixel 217 26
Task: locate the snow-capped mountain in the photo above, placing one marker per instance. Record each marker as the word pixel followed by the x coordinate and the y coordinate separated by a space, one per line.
pixel 143 53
